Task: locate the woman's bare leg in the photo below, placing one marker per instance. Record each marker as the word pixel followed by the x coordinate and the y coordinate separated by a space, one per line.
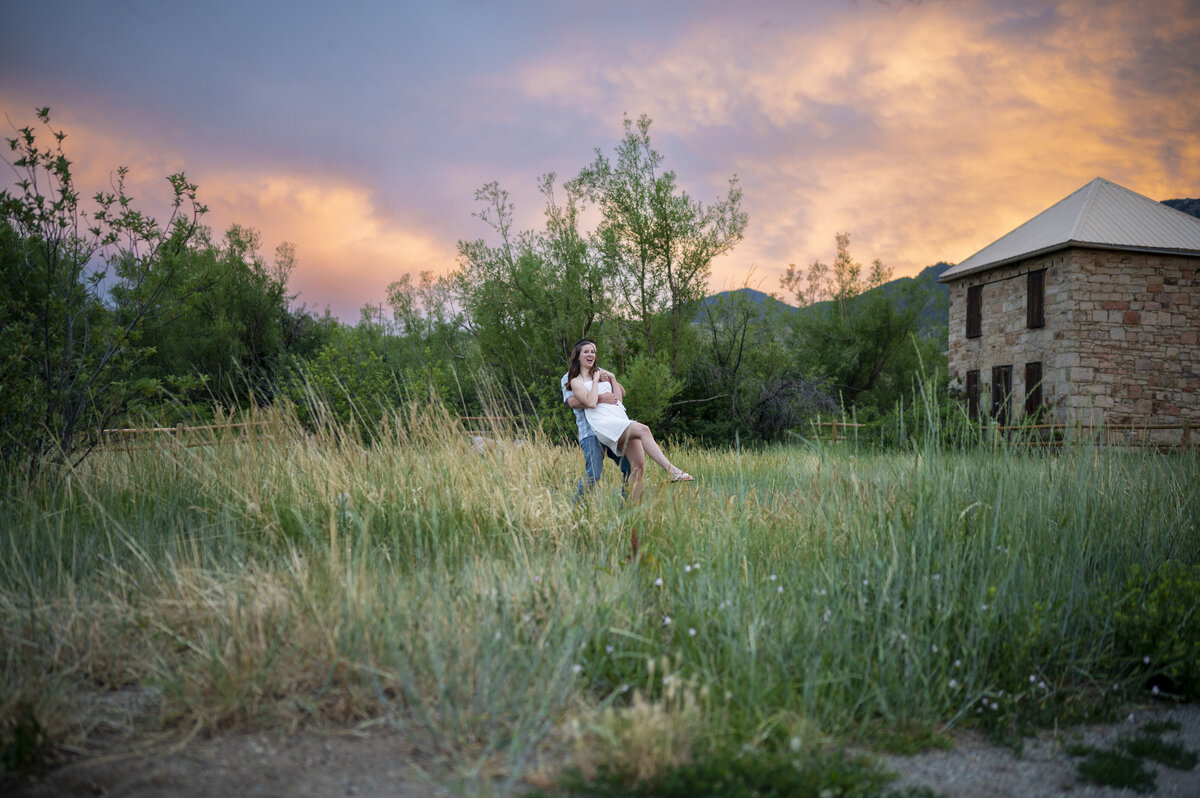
pixel 637 469
pixel 641 433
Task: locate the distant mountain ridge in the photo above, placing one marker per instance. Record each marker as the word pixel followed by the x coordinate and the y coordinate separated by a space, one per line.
pixel 1188 206
pixel 933 316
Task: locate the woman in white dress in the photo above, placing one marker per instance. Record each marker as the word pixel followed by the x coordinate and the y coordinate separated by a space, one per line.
pixel 611 423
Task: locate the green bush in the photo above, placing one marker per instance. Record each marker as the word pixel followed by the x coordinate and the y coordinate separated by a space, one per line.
pixel 1157 624
pixel 347 384
pixel 651 388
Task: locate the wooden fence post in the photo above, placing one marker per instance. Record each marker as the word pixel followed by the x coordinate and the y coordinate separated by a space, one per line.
pixel 835 430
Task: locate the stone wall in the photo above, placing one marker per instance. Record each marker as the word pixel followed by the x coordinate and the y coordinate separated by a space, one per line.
pixel 1005 340
pixel 1120 343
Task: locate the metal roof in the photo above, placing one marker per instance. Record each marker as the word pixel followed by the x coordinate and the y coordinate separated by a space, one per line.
pixel 1101 215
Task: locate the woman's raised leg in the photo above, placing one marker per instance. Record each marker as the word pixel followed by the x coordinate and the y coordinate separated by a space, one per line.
pixel 640 432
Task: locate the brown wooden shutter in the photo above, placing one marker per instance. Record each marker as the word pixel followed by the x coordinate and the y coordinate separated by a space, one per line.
pixel 973 394
pixel 974 311
pixel 1035 302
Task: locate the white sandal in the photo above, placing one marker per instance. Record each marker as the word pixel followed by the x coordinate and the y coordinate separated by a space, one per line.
pixel 679 475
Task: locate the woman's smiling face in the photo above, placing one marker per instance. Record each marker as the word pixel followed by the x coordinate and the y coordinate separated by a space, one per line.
pixel 587 357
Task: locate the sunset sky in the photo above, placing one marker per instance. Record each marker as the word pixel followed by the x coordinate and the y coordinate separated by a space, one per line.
pixel 359 131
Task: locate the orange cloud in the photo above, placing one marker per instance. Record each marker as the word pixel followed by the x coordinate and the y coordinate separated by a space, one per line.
pixel 345 246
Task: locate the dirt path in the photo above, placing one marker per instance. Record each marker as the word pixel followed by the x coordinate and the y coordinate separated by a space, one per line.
pixel 976 768
pixel 385 764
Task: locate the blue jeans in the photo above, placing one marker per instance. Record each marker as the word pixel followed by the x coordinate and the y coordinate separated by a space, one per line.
pixel 593 463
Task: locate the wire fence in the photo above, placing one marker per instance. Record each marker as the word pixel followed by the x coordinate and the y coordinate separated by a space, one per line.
pixel 1161 436
pixel 132 439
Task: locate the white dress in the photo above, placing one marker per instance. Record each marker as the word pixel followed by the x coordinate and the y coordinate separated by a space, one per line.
pixel 608 421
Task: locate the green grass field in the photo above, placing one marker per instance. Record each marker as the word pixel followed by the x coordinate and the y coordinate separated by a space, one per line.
pixel 793 597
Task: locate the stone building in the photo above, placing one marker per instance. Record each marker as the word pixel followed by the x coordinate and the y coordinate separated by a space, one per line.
pixel 1091 310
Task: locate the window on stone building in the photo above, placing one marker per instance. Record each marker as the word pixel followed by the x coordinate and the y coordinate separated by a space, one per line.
pixel 1035 302
pixel 1002 394
pixel 1033 387
pixel 974 311
pixel 973 394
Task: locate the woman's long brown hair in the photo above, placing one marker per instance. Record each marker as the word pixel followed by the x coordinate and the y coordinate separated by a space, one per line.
pixel 576 368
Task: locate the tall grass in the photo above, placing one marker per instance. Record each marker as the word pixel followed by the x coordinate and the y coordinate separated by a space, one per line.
pixel 792 593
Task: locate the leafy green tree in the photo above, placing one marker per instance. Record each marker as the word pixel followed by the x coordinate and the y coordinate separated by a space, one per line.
pixel 840 284
pixel 225 338
pixel 651 387
pixel 347 385
pixel 430 350
pixel 305 332
pixel 859 339
pixel 745 378
pixel 81 286
pixel 529 297
pixel 655 240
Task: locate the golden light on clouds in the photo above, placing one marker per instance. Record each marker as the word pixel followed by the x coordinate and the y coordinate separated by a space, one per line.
pixel 333 225
pixel 926 137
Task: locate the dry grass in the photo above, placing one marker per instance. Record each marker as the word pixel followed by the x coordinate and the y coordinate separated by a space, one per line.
pixel 453 591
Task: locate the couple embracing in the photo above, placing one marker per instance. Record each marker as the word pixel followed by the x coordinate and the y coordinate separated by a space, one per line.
pixel 604 427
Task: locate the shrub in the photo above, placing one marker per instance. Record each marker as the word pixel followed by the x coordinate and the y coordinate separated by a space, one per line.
pixel 349 382
pixel 1157 622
